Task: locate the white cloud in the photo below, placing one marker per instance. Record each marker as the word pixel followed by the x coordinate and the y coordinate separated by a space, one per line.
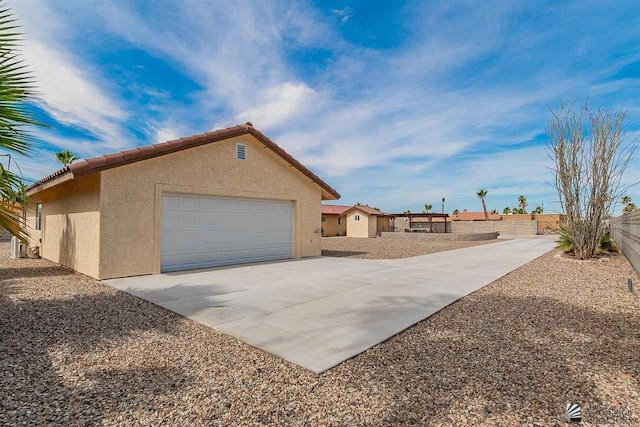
pixel 69 95
pixel 278 104
pixel 344 14
pixel 166 133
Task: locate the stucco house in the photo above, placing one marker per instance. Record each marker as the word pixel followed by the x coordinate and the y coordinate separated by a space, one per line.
pixel 334 223
pixel 353 221
pixel 223 197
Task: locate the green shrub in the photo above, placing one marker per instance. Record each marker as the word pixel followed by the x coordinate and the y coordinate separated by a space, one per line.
pixel 565 241
pixel 606 244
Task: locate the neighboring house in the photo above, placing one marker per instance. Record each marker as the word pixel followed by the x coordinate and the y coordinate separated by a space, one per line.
pixel 353 221
pixel 363 221
pixel 224 197
pixel 334 222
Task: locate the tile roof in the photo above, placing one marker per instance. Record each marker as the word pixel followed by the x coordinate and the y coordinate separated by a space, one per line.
pixel 334 209
pixel 366 209
pixel 100 163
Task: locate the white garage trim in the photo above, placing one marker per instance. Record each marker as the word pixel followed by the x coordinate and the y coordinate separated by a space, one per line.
pixel 203 231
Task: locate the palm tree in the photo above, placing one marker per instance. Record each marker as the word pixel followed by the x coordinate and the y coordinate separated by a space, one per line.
pixel 427 208
pixel 443 199
pixel 483 194
pixel 65 157
pixel 455 212
pixel 494 211
pixel 629 206
pixel 538 210
pixel 506 210
pixel 17 86
pixel 522 202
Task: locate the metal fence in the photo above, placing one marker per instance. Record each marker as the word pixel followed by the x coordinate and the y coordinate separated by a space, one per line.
pixel 625 231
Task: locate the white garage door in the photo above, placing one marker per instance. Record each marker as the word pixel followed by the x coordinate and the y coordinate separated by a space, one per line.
pixel 200 232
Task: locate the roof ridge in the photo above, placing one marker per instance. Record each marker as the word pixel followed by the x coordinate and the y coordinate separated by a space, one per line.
pixel 124 157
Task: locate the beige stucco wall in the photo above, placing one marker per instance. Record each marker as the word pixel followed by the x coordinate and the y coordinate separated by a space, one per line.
pixel 504 227
pixel 70 233
pixel 546 222
pixel 366 227
pixel 331 228
pixel 131 199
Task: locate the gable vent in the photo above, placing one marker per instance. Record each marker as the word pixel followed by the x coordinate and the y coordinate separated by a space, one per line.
pixel 241 151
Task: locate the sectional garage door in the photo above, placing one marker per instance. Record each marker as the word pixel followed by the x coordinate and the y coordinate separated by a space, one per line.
pixel 200 232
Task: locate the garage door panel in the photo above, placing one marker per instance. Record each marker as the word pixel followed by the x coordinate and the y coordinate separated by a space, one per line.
pixel 200 232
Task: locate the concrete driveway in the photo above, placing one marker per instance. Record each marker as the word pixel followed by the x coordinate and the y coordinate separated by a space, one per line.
pixel 319 312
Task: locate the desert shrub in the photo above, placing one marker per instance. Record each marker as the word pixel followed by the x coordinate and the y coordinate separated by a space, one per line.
pixel 565 241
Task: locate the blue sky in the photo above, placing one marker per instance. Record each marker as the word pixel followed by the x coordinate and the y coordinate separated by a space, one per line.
pixel 394 104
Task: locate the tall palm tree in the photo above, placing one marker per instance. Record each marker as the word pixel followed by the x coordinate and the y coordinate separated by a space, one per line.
pixel 483 194
pixel 443 199
pixel 522 203
pixel 17 87
pixel 427 208
pixel 65 157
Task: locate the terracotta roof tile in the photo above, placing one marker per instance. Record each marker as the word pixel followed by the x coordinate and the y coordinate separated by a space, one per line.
pixel 366 209
pixel 100 163
pixel 334 209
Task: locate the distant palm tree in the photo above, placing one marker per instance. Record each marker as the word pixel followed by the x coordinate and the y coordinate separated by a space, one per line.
pixel 506 210
pixel 443 199
pixel 522 203
pixel 629 206
pixel 483 194
pixel 494 211
pixel 455 212
pixel 407 212
pixel 17 87
pixel 65 157
pixel 538 210
pixel 427 208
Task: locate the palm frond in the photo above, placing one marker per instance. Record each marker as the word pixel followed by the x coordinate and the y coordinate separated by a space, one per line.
pixel 17 87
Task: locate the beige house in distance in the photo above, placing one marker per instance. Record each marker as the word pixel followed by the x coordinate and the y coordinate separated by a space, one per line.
pixel 353 221
pixel 224 197
pixel 334 223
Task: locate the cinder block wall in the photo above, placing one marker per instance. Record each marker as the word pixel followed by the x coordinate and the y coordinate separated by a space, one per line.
pixel 523 228
pixel 625 231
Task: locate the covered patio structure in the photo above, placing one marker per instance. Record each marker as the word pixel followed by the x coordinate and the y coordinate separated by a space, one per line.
pixel 411 216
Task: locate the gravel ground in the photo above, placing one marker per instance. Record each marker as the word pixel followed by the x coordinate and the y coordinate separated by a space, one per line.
pixel 76 352
pixel 379 248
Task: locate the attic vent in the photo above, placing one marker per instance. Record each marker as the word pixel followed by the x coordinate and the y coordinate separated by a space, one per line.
pixel 241 151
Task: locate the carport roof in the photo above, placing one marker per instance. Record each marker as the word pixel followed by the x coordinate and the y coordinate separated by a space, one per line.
pixel 109 161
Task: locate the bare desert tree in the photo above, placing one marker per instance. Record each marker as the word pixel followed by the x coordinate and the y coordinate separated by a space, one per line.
pixel 590 151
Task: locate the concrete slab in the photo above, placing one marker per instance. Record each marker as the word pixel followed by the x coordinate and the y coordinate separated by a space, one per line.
pixel 319 312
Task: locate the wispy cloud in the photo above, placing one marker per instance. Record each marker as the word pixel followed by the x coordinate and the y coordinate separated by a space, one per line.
pixel 456 99
pixel 70 96
pixel 344 14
